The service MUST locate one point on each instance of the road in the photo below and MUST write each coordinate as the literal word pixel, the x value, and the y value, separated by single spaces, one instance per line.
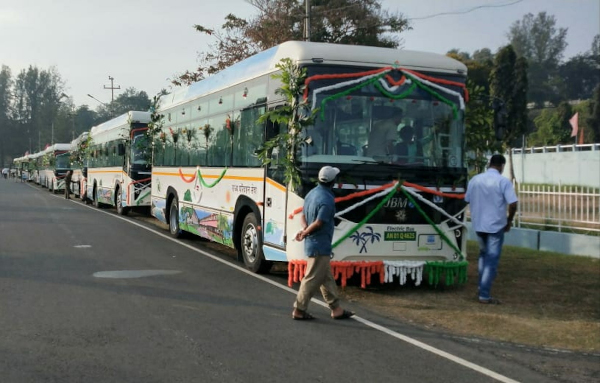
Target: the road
pixel 88 296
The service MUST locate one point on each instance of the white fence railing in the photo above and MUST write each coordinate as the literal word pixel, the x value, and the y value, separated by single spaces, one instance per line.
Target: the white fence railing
pixel 558 148
pixel 560 207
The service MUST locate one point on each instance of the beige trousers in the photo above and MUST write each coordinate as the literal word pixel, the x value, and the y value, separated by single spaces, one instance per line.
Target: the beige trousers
pixel 318 276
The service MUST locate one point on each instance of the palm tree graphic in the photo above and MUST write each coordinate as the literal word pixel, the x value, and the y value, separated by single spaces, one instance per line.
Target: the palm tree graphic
pixel 361 239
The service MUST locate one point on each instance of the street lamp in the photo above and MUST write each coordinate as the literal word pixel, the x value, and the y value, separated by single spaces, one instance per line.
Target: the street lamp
pixel 103 103
pixel 108 106
pixel 62 95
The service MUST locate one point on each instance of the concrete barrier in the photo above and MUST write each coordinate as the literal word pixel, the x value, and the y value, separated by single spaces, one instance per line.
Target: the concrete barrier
pixel 567 243
pixel 564 243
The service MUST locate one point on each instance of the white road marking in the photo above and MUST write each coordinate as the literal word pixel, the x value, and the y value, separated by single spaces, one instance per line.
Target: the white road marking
pixel 366 322
pixel 82 246
pixel 125 274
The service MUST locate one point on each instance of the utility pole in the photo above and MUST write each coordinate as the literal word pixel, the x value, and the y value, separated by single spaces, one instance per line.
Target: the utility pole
pixel 307 21
pixel 112 88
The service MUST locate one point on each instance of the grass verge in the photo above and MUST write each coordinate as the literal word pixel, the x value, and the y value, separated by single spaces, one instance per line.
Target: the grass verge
pixel 548 300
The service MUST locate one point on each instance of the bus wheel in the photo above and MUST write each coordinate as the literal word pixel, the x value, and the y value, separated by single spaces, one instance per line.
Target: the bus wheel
pixel 121 210
pixel 174 229
pixel 251 246
pixel 95 201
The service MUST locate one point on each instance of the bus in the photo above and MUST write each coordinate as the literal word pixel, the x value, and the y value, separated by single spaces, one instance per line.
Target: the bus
pixel 53 164
pixel 118 163
pixel 21 165
pixel 35 164
pixel 77 158
pixel 399 210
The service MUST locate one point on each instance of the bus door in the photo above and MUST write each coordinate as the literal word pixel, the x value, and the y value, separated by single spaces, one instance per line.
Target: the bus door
pixel 274 219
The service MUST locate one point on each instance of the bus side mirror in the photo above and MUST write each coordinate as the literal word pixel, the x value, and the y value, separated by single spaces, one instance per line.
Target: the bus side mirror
pixel 121 150
pixel 84 171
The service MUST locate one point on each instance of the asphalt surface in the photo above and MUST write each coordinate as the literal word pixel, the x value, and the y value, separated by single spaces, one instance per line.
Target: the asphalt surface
pixel 88 296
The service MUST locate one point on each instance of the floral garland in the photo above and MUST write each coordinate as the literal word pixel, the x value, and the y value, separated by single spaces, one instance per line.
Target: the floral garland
pixel 376 77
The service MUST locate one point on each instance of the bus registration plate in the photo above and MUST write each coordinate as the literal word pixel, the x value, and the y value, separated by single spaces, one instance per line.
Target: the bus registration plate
pixel 400 236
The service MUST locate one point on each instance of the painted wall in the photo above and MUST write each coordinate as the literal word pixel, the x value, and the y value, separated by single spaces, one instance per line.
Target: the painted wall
pixel 580 168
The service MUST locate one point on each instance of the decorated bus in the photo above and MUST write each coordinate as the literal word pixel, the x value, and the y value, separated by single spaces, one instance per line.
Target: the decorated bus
pixel 53 164
pixel 118 162
pixel 77 157
pixel 21 165
pixel 391 120
pixel 35 165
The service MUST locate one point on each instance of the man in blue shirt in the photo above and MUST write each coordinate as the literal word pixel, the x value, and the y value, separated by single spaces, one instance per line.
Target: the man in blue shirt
pixel 318 223
pixel 490 194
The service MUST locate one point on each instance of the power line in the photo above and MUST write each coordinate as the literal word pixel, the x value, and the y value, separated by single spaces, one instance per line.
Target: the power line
pixel 466 11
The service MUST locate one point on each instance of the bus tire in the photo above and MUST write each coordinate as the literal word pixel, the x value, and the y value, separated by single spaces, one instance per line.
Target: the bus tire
pixel 251 246
pixel 121 210
pixel 174 228
pixel 95 201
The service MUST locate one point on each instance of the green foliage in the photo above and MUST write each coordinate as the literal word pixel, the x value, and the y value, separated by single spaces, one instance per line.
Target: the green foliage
pixel 579 76
pixel 295 115
pixel 594 112
pixel 552 127
pixel 508 82
pixel 131 99
pixel 478 127
pixel 479 66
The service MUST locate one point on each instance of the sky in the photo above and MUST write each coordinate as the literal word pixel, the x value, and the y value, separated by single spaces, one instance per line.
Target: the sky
pixel 144 43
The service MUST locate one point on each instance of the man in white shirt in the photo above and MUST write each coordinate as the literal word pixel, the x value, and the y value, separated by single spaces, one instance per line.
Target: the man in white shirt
pixel 490 194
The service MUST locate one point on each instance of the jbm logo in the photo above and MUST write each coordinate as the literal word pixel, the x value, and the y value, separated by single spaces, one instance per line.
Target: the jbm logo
pixel 397 202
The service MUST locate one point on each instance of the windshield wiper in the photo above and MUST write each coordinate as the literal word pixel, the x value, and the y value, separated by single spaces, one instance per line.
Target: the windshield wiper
pixel 374 162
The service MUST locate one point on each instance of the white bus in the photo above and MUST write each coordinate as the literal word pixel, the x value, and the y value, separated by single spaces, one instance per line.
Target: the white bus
pixel 21 165
pixel 77 159
pixel 35 165
pixel 207 179
pixel 118 163
pixel 53 166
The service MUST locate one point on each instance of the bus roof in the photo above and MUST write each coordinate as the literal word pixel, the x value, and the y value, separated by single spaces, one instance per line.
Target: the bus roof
pixel 82 137
pixel 119 122
pixel 319 53
pixel 56 147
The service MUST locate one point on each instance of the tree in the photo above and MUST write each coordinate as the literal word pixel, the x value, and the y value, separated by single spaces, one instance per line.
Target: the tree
pixel 483 56
pixel 508 82
pixel 478 126
pixel 580 76
pixel 538 40
pixel 37 98
pixel 458 55
pixel 6 136
pixel 479 116
pixel 131 99
pixel 360 22
pixel 478 69
pixel 595 50
pixel 594 119
pixel 553 126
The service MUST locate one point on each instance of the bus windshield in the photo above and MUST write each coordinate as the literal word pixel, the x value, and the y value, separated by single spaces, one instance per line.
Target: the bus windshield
pixel 63 161
pixel 370 127
pixel 140 150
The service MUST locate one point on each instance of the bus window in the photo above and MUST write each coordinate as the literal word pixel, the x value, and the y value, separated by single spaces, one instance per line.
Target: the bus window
pixel 248 137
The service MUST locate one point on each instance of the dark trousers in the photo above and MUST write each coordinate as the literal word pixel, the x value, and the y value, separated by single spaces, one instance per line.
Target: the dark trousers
pixel 68 189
